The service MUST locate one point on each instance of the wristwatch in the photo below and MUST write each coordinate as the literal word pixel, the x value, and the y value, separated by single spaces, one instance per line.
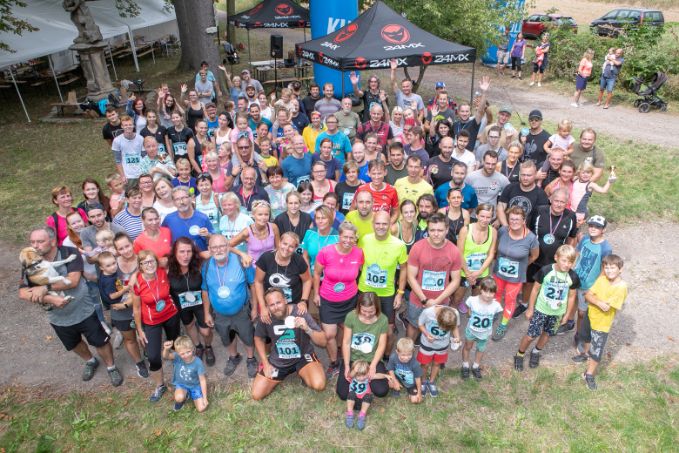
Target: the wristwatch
pixel 306 301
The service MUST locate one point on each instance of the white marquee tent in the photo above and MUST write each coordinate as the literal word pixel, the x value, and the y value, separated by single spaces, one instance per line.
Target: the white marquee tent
pixel 56 31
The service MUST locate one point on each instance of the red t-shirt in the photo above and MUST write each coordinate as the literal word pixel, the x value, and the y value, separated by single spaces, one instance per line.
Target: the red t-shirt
pixel 162 246
pixel 384 199
pixel 150 292
pixel 434 267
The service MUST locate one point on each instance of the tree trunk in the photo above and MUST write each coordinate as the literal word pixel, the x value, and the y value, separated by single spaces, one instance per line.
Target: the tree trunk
pixel 420 76
pixel 193 17
pixel 230 29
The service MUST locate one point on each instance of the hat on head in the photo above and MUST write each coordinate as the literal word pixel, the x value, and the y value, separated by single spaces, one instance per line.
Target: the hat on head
pixel 597 221
pixel 440 85
pixel 505 109
pixel 535 114
pixel 245 71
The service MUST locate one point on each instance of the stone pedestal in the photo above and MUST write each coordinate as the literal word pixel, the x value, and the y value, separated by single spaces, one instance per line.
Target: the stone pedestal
pixel 93 63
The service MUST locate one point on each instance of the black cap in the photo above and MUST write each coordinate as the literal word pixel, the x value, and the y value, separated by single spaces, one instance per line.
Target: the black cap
pixel 535 114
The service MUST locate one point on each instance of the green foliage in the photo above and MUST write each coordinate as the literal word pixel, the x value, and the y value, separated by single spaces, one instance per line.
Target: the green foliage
pixel 10 23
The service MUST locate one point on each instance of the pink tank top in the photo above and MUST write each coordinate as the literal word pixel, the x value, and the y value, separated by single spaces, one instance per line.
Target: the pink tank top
pixel 257 247
pixel 577 193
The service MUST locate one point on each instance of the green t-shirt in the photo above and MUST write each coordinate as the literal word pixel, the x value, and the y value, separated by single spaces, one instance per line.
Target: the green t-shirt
pixel 364 226
pixel 381 260
pixel 553 296
pixel 365 337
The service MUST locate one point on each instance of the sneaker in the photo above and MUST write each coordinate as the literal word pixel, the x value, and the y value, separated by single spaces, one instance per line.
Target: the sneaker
pixel 539 84
pixel 158 393
pixel 251 365
pixel 462 308
pixel 518 363
pixel 115 376
pixel 476 372
pixel 332 371
pixel 117 341
pixel 349 420
pixel 90 369
pixel 178 405
pixel 573 104
pixel 433 390
pixel 395 394
pixel 360 422
pixel 580 358
pixel 531 84
pixel 209 356
pixel 563 328
pixel 500 332
pixel 231 364
pixel 465 372
pixel 520 309
pixel 534 360
pixel 455 345
pixel 589 380
pixel 142 371
pixel 200 351
pixel 425 388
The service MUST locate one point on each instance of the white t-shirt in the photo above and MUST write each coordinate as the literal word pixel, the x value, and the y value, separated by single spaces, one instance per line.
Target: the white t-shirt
pixel 481 316
pixel 128 153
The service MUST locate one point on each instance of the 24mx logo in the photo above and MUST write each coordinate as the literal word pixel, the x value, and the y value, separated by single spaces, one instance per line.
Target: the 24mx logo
pixel 451 58
pixel 284 9
pixel 385 63
pixel 395 34
pixel 346 33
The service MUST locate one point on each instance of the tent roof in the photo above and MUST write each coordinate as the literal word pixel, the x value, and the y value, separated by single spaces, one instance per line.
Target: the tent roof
pixel 378 35
pixel 57 32
pixel 273 14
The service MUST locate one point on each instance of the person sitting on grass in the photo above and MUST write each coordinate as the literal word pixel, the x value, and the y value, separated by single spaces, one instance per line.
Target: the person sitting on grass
pixel 605 298
pixel 482 310
pixel 359 390
pixel 436 324
pixel 189 373
pixel 405 371
pixel 552 297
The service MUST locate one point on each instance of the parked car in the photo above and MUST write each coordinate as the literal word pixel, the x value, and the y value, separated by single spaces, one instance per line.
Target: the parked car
pixel 613 22
pixel 536 24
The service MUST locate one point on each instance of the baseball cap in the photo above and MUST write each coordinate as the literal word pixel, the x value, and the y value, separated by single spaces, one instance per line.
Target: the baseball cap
pixel 440 85
pixel 505 109
pixel 597 221
pixel 535 114
pixel 245 71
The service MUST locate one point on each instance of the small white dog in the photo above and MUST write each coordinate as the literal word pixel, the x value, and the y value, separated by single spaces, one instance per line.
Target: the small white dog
pixel 41 272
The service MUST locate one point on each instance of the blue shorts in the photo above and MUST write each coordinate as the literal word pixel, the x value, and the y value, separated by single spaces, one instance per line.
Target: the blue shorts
pixel 481 343
pixel 193 391
pixel 607 83
pixel 580 82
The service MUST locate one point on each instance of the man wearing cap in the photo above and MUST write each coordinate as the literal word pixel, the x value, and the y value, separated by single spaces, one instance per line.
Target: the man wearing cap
pixel 328 105
pixel 534 142
pixel 247 80
pixel 586 151
pixel 466 121
pixel 405 98
pixel 507 131
pixel 439 87
pixel 440 111
pixel 96 214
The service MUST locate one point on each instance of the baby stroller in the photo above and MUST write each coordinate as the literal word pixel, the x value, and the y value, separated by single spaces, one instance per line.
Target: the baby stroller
pixel 649 92
pixel 231 54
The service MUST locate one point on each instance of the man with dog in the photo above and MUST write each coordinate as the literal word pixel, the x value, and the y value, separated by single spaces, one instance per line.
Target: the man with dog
pixel 71 317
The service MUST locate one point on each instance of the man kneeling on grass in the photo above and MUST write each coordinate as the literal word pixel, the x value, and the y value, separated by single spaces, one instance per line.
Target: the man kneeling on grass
pixel 291 335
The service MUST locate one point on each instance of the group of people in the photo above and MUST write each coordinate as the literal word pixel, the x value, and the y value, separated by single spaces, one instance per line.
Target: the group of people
pixel 291 225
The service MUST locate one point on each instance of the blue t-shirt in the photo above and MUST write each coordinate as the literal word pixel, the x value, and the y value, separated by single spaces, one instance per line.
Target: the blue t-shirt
pixel 406 372
pixel 469 200
pixel 313 243
pixel 331 166
pixel 180 227
pixel 233 278
pixel 186 374
pixel 588 265
pixel 340 145
pixel 297 170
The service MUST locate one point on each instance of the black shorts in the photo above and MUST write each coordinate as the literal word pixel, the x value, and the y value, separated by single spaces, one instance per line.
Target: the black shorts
pixel 90 327
pixel 367 398
pixel 531 271
pixel 336 312
pixel 123 325
pixel 196 312
pixel 287 371
pixel 540 69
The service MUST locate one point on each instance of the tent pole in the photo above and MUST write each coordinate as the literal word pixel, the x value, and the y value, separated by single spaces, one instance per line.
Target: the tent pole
pixel 304 30
pixel 471 93
pixel 110 53
pixel 54 74
pixel 134 49
pixel 19 93
pixel 249 54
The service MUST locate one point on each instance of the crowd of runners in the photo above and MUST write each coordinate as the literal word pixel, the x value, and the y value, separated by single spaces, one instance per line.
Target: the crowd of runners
pixel 398 235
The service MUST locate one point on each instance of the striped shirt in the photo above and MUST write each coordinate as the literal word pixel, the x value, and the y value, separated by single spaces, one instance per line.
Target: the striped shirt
pixel 131 223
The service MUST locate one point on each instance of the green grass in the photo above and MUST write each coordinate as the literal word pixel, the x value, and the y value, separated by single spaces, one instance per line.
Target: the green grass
pixel 635 408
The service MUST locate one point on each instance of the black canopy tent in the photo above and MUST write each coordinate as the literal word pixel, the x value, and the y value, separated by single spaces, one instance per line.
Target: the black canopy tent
pixel 377 36
pixel 272 14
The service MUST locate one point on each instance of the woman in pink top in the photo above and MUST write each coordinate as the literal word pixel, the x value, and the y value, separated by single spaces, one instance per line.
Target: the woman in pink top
pixel 62 198
pixel 339 265
pixel 260 237
pixel 584 71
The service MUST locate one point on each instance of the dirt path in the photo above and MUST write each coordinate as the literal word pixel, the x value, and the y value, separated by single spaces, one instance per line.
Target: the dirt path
pixel 31 354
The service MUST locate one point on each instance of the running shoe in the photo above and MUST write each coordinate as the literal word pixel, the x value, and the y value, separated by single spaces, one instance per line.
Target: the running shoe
pixel 534 360
pixel 518 362
pixel 573 104
pixel 90 369
pixel 539 84
pixel 360 422
pixel 425 388
pixel 158 393
pixel 251 365
pixel 580 358
pixel 590 381
pixel 395 394
pixel 531 84
pixel 332 371
pixel 115 376
pixel 349 420
pixel 142 371
pixel 563 328
pixel 465 372
pixel 476 372
pixel 433 390
pixel 500 332
pixel 232 363
pixel 209 356
pixel 462 308
pixel 519 310
pixel 178 405
pixel 200 350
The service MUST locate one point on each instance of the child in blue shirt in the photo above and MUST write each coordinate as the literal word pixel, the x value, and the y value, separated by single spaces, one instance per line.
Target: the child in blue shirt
pixel 189 373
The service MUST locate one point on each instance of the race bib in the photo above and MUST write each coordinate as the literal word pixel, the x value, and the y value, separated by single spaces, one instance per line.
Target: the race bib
pixel 132 160
pixel 347 131
pixel 190 299
pixel 433 281
pixel 555 294
pixel 161 149
pixel 475 261
pixel 507 268
pixel 179 148
pixel 480 323
pixel 376 277
pixel 347 198
pixel 287 350
pixel 405 376
pixel 302 179
pixel 435 330
pixel 360 388
pixel 363 342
